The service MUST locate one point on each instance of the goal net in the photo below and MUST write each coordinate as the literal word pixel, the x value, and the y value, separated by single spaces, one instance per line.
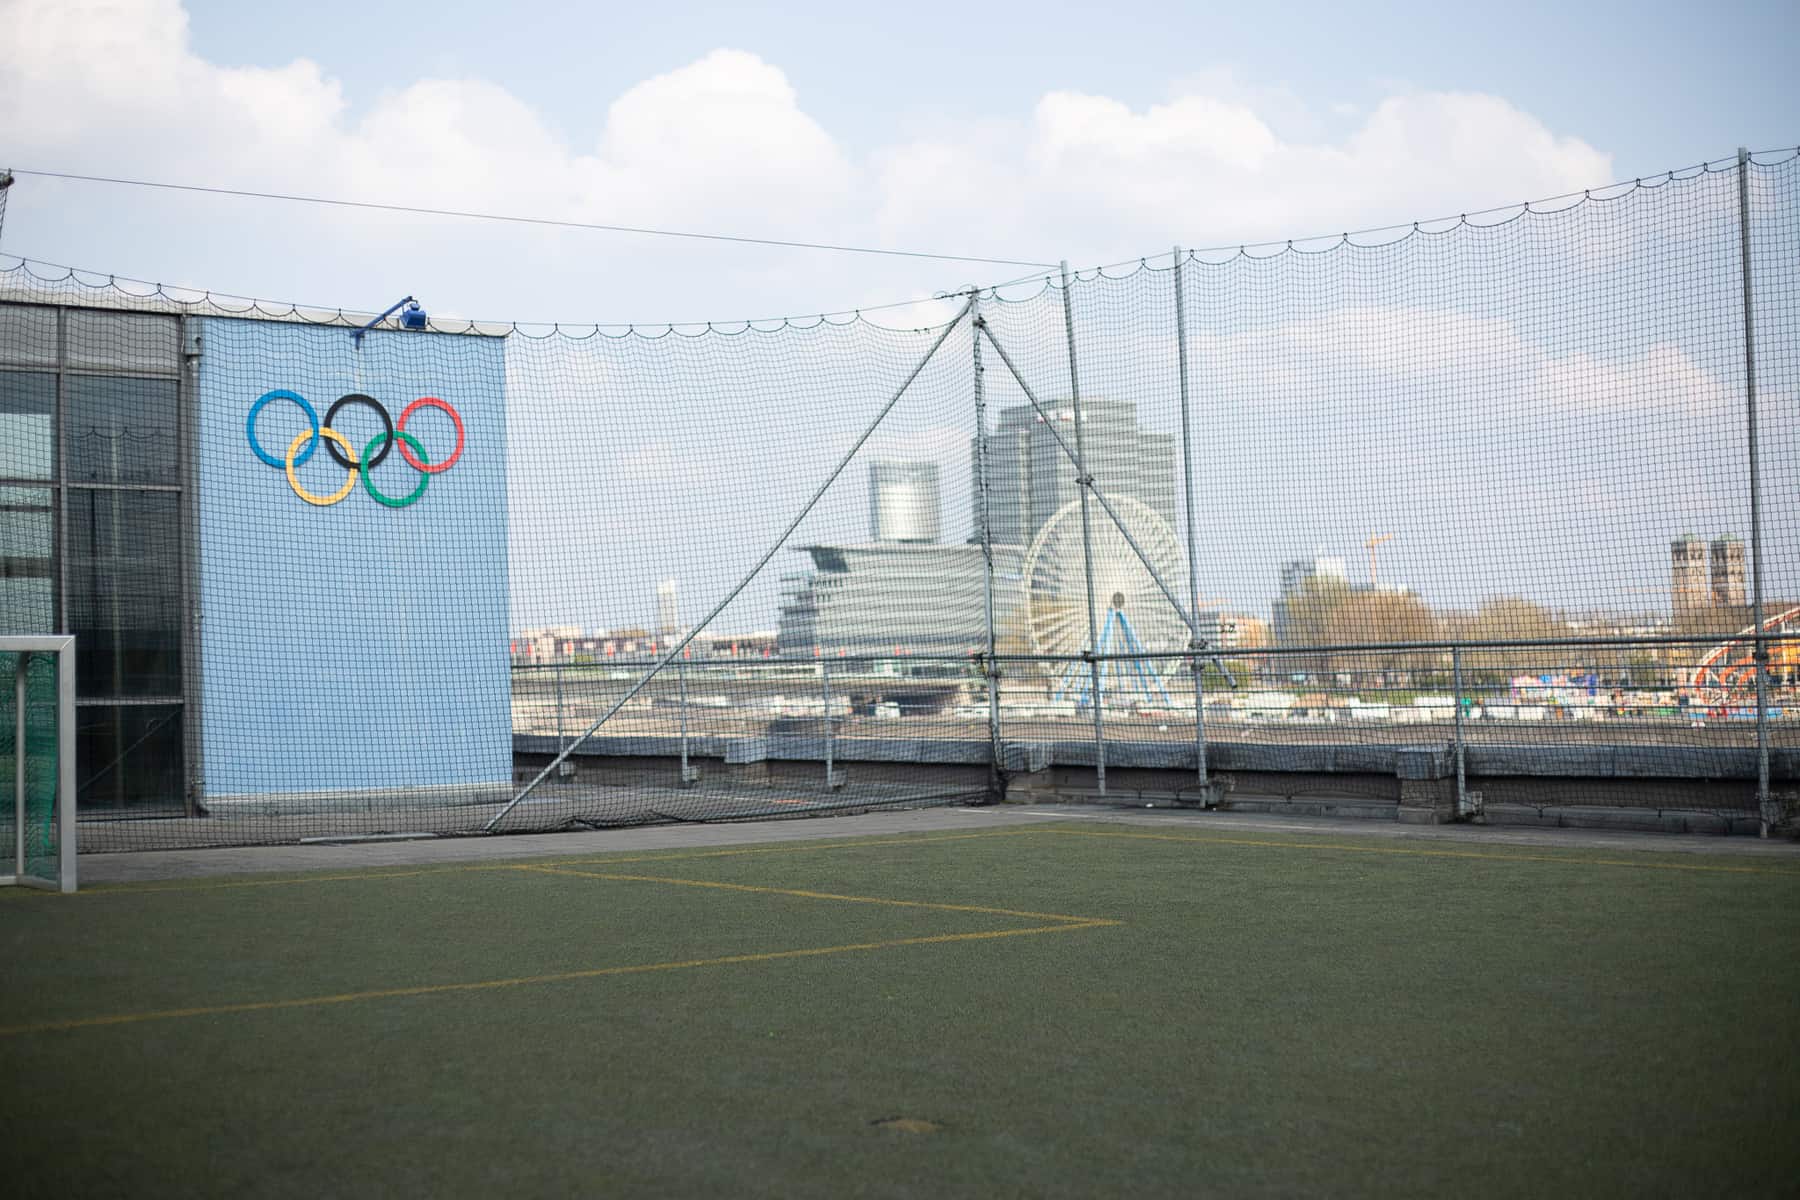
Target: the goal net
pixel 37 753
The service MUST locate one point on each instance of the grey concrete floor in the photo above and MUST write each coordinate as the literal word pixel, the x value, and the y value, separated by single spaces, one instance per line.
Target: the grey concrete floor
pixel 189 864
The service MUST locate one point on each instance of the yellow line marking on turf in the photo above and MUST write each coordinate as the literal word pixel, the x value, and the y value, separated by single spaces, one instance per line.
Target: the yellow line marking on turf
pixel 1413 851
pixel 439 989
pixel 106 889
pixel 806 895
pixel 793 848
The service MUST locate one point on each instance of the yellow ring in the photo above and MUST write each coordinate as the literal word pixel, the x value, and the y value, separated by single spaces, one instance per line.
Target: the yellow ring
pixel 300 440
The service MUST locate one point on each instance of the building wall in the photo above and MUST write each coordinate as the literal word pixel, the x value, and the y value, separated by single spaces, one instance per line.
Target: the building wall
pixel 353 647
pixel 1689 587
pixel 1728 572
pixel 891 598
pixel 903 502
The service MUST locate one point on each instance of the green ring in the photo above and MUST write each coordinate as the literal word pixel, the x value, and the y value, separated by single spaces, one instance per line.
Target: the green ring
pixel 369 476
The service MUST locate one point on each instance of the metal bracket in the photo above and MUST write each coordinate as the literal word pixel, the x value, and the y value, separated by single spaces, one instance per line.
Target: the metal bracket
pixel 358 335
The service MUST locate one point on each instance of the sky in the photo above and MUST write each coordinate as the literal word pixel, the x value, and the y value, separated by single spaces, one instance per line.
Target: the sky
pixel 1036 132
pixel 1024 132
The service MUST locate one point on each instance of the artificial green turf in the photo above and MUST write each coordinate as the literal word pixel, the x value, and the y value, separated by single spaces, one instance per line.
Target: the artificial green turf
pixel 1300 1017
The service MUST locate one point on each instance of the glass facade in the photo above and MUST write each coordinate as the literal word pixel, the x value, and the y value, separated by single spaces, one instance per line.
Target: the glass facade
pixel 93 536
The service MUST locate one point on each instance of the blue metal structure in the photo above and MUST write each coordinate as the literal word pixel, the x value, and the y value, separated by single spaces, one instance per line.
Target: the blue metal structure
pixel 1135 673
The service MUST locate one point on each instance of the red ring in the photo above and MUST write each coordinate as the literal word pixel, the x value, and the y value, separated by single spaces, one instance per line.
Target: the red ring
pixel 411 459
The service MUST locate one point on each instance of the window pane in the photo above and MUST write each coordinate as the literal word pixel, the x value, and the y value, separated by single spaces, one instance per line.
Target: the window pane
pixel 123 341
pixel 27 595
pixel 122 430
pixel 128 756
pixel 27 425
pixel 27 335
pixel 124 573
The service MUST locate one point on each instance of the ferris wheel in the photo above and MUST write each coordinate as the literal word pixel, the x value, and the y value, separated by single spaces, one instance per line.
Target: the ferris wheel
pixel 1133 615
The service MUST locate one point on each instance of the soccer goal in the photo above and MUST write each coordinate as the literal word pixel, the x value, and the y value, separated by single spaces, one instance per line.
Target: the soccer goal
pixel 37 755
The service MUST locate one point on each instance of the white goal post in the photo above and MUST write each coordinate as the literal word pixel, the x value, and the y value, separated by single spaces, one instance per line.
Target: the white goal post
pixel 41 774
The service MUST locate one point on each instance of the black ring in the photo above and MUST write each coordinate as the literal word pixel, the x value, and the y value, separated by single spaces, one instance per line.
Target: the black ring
pixel 387 422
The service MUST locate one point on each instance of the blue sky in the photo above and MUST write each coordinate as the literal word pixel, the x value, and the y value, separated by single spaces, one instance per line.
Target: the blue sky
pixel 1656 84
pixel 932 126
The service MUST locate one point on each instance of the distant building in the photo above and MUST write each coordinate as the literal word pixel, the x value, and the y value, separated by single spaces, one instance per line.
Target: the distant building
pixel 1728 571
pixel 668 609
pixel 1294 577
pixel 903 502
pixel 551 644
pixel 894 598
pixel 1689 587
pixel 1230 630
pixel 1245 632
pixel 1030 476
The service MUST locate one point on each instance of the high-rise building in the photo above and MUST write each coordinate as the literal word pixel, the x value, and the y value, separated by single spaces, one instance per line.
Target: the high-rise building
pixel 1030 476
pixel 668 610
pixel 1295 576
pixel 903 501
pixel 1689 588
pixel 1728 571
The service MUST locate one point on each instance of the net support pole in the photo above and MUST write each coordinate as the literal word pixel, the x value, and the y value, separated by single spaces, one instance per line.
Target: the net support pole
pixel 1456 686
pixel 990 667
pixel 559 709
pixel 19 814
pixel 1760 652
pixel 674 651
pixel 1208 792
pixel 1084 482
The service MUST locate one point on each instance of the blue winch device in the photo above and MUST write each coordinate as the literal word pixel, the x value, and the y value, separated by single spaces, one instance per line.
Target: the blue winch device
pixel 411 317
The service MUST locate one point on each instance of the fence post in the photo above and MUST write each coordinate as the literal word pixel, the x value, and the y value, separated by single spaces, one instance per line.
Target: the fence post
pixel 1760 652
pixel 1209 793
pixel 831 776
pixel 688 775
pixel 559 710
pixel 996 752
pixel 1084 481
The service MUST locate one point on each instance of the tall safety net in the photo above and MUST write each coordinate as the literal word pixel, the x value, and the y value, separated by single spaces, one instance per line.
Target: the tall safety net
pixel 1463 518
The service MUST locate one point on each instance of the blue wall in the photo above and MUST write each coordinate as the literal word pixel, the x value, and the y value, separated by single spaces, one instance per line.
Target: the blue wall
pixel 353 646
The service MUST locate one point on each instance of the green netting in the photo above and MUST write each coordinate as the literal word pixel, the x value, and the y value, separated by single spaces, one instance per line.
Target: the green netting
pixel 40 760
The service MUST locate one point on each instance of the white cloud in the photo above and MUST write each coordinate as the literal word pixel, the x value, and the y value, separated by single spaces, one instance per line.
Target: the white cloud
pixel 726 143
pixel 667 142
pixel 1097 179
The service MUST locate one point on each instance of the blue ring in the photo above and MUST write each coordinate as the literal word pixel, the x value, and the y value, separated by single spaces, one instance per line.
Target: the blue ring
pixel 250 427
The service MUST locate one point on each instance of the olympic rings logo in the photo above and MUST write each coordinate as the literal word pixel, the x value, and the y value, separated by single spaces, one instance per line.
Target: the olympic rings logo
pixel 393 433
